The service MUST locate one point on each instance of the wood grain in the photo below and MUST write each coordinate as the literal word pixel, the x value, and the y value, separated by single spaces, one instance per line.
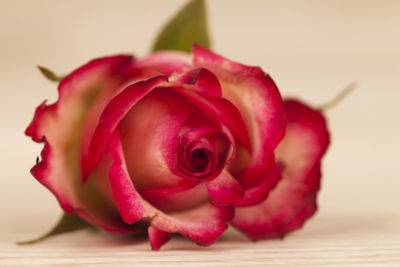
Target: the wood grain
pixel 357 240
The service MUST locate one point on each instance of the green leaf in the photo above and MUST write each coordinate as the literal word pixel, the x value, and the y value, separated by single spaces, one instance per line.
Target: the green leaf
pixel 188 26
pixel 50 75
pixel 67 223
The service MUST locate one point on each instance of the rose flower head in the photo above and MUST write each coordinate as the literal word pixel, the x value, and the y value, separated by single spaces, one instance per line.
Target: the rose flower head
pixel 180 143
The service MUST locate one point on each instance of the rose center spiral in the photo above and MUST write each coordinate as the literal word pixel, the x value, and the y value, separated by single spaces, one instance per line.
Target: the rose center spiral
pixel 199 159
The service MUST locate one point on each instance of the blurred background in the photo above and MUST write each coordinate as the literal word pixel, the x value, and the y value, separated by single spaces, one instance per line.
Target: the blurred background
pixel 312 49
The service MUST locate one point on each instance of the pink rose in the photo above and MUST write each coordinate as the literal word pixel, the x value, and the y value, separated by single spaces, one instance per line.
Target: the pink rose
pixel 178 143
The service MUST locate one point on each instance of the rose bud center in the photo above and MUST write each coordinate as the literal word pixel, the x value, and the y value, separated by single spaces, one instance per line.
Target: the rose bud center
pixel 168 142
pixel 199 159
pixel 202 150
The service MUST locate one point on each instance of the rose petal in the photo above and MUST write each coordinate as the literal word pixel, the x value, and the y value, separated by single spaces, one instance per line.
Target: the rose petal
pixel 102 99
pixel 167 62
pixel 159 133
pixel 220 111
pixel 74 91
pixel 115 226
pixel 41 113
pixel 150 137
pixel 198 125
pixel 59 125
pixel 157 238
pixel 258 99
pixel 42 170
pixel 73 197
pixel 114 112
pixel 125 195
pixel 293 201
pixel 205 82
pixel 203 224
pixel 195 126
pixel 224 190
pixel 260 192
pixel 174 199
pixel 204 158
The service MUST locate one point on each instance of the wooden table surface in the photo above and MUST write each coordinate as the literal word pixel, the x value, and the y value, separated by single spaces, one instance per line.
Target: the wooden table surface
pixel 311 48
pixel 330 239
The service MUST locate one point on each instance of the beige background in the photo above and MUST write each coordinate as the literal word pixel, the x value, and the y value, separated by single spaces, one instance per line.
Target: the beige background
pixel 311 48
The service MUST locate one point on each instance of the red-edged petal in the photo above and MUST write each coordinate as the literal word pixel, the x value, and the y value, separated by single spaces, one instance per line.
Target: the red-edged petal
pixel 125 195
pixel 221 111
pixel 224 190
pixel 150 136
pixel 60 126
pixel 203 159
pixel 198 125
pixel 293 201
pixel 195 126
pixel 33 130
pixel 77 92
pixel 259 193
pixel 167 62
pixel 113 113
pixel 203 224
pixel 73 197
pixel 42 172
pixel 103 97
pixel 95 73
pixel 256 96
pixel 205 82
pixel 157 238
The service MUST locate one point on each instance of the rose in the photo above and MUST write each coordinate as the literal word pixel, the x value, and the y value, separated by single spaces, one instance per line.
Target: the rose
pixel 170 144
